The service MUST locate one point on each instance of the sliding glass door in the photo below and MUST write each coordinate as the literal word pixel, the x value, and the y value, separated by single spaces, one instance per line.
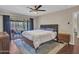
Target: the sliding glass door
pixel 18 26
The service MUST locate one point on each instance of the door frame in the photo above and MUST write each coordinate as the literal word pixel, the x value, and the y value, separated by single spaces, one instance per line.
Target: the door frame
pixel 75 27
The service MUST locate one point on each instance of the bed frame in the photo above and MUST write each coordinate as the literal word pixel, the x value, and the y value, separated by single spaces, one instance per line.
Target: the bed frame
pixel 51 26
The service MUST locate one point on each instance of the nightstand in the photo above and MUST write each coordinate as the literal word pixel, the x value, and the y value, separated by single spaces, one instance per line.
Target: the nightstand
pixel 63 37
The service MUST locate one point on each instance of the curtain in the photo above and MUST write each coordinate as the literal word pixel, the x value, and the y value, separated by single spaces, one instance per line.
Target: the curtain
pixel 6 24
pixel 30 24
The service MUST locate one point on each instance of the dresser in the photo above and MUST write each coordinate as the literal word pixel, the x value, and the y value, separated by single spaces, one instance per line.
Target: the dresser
pixel 4 42
pixel 63 37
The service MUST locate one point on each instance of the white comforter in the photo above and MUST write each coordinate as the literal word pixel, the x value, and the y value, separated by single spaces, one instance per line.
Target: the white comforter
pixel 39 36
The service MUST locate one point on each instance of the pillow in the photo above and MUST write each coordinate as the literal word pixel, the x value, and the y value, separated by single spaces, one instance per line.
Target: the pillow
pixel 49 29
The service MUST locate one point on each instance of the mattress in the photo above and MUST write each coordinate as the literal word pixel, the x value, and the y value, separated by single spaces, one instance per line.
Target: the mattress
pixel 39 36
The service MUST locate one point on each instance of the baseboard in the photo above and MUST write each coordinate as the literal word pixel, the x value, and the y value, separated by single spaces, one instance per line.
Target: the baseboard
pixel 71 43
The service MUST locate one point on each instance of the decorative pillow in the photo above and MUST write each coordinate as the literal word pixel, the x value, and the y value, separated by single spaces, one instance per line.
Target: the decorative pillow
pixel 49 29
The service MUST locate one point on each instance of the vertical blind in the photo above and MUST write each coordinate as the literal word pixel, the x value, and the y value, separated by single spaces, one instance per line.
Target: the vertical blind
pixel 6 23
pixel 22 25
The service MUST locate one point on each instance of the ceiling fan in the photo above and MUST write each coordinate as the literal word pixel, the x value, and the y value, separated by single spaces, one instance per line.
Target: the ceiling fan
pixel 36 8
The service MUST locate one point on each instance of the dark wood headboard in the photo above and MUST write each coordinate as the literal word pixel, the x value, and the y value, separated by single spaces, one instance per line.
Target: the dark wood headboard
pixel 52 26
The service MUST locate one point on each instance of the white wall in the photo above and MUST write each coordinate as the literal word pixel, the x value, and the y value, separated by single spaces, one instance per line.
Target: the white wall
pixel 1 24
pixel 35 22
pixel 62 21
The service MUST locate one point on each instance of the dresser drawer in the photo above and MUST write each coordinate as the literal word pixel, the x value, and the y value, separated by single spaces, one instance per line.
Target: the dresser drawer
pixel 4 43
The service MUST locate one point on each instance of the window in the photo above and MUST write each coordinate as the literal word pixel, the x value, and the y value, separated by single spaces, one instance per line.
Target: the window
pixel 22 25
pixel 18 25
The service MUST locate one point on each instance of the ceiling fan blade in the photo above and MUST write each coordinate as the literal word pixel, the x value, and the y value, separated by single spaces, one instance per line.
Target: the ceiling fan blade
pixel 30 11
pixel 29 7
pixel 38 7
pixel 41 10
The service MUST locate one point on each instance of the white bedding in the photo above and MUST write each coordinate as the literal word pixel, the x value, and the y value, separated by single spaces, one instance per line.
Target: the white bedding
pixel 39 36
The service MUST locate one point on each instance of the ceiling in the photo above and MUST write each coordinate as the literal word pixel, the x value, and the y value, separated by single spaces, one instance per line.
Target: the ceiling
pixel 22 9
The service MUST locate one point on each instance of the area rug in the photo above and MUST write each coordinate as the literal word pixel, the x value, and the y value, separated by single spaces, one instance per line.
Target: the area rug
pixel 50 47
pixel 57 48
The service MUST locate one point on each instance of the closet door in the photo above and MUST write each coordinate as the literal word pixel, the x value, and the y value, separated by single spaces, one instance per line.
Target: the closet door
pixel 6 24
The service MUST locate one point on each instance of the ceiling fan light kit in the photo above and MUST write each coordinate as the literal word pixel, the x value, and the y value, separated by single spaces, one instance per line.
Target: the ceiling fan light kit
pixel 35 12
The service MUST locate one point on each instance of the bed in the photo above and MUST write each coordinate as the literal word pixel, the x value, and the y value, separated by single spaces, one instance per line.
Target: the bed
pixel 35 38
